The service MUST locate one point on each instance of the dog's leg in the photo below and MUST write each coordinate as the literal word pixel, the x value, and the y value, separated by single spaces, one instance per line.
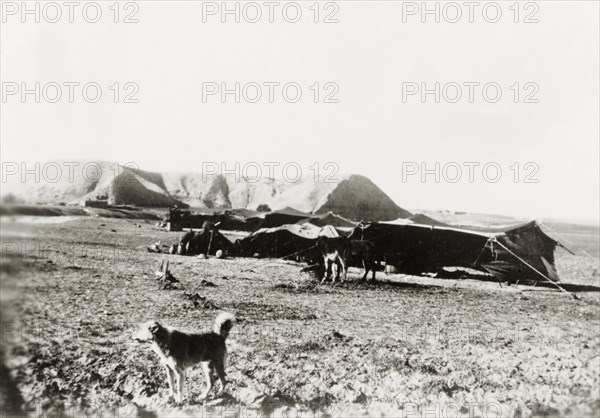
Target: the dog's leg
pixel 208 377
pixel 220 367
pixel 180 376
pixel 171 380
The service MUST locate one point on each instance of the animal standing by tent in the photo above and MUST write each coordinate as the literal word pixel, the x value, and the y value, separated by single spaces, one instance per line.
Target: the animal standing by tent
pixel 334 250
pixel 365 252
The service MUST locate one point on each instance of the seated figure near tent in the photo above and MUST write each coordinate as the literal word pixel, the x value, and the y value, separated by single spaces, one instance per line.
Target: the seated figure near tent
pixel 209 226
pixel 334 250
pixel 184 242
pixel 206 241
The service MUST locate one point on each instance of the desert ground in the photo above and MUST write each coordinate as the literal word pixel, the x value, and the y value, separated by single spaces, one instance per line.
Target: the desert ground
pixel 75 288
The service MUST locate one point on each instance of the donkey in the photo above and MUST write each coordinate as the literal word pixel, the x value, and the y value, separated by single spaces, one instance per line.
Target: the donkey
pixel 334 250
pixel 364 251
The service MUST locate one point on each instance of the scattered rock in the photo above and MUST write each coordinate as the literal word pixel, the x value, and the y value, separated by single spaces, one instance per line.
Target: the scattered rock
pixel 153 249
pixel 73 268
pixel 337 336
pixel 168 286
pixel 199 302
pixel 249 396
pixel 206 283
pixel 361 398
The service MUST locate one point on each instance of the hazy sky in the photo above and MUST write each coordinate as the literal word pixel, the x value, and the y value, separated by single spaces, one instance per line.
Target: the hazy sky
pixel 371 56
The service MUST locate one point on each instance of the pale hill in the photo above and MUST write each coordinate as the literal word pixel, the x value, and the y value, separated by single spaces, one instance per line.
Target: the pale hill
pixel 92 180
pixel 358 198
pixel 353 196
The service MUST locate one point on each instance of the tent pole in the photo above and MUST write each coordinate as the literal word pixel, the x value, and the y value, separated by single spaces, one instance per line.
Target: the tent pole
pixel 481 253
pixel 209 243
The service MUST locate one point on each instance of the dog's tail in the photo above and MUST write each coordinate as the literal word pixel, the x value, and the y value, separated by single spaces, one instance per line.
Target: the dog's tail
pixel 223 324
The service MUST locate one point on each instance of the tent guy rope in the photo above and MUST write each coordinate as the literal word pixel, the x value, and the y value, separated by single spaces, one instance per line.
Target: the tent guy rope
pixel 277 259
pixel 493 239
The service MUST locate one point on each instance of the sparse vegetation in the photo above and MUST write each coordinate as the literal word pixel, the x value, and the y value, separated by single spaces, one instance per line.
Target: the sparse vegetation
pixel 346 349
pixel 9 199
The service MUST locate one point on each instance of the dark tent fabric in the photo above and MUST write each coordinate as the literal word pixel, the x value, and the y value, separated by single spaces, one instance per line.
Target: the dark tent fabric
pixel 230 222
pixel 416 249
pixel 292 211
pixel 237 219
pixel 283 241
pixel 329 218
pixel 510 255
pixel 275 219
pixel 243 212
pixel 200 241
pixel 529 243
pixel 227 220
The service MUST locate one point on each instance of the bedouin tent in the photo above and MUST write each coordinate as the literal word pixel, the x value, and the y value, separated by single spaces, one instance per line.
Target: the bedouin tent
pixel 249 220
pixel 331 219
pixel 276 218
pixel 204 242
pixel 422 219
pixel 284 241
pixel 225 219
pixel 523 252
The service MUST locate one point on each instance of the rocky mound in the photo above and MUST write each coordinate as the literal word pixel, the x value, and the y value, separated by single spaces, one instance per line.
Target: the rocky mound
pixel 353 196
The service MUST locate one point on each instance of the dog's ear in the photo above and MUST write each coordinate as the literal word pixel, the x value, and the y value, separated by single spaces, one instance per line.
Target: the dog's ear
pixel 154 327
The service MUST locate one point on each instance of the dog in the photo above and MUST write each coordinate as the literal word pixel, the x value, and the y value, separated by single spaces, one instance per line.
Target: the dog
pixel 179 350
pixel 334 250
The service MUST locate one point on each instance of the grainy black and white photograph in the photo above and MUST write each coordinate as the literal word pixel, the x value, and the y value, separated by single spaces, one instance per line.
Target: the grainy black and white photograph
pixel 307 209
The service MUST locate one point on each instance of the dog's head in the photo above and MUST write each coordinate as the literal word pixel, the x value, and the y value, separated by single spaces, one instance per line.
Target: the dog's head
pixel 146 331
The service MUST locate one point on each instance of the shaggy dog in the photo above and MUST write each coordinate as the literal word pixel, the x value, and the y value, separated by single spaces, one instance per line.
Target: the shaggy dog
pixel 178 350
